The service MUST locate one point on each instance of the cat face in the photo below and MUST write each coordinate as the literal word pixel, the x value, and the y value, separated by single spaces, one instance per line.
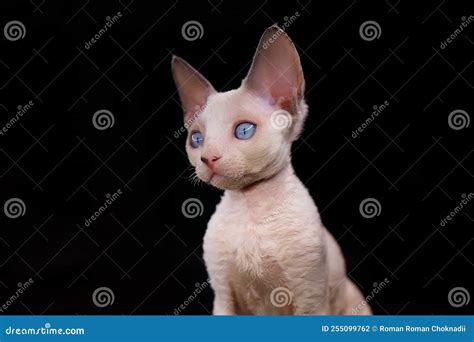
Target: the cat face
pixel 239 137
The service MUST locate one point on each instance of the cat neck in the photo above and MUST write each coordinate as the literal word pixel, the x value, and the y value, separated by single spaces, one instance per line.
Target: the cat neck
pixel 268 193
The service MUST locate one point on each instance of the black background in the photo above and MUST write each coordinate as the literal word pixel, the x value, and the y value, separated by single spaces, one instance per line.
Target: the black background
pixel 143 248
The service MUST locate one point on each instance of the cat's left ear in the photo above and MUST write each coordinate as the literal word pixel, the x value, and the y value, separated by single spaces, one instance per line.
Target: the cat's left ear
pixel 276 73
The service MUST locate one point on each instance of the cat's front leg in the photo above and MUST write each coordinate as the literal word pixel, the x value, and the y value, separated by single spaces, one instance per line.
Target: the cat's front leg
pixel 315 304
pixel 311 298
pixel 311 291
pixel 223 304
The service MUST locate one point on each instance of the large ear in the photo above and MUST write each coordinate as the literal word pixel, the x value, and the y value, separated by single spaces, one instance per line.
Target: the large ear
pixel 276 71
pixel 193 88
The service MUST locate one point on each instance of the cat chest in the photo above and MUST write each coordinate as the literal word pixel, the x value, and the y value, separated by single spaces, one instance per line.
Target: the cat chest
pixel 254 255
pixel 250 251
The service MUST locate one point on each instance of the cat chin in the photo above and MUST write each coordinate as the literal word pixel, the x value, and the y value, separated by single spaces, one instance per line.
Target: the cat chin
pixel 224 183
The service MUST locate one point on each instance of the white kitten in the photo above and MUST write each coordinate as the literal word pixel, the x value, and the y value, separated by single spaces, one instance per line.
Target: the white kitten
pixel 265 247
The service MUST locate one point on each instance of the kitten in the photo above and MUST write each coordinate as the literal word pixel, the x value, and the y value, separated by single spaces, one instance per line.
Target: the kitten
pixel 265 247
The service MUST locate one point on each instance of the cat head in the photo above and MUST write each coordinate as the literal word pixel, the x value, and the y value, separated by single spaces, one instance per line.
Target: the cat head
pixel 241 136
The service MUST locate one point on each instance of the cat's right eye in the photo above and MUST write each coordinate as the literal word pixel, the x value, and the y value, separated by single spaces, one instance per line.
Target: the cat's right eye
pixel 196 139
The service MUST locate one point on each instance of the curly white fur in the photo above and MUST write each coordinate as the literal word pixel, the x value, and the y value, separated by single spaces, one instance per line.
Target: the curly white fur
pixel 265 248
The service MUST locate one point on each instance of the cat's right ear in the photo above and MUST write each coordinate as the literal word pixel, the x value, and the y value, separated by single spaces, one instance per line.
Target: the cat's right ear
pixel 193 88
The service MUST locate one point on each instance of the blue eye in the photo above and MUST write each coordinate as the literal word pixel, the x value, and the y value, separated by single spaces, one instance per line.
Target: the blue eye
pixel 196 139
pixel 245 130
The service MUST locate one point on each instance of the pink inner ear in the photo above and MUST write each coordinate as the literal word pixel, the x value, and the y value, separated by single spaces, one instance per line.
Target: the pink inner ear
pixel 276 70
pixel 281 87
pixel 193 88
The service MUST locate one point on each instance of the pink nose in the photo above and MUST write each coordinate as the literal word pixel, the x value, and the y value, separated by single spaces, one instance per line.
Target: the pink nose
pixel 210 160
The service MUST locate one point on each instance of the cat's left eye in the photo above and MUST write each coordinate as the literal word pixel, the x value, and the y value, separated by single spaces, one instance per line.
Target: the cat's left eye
pixel 245 130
